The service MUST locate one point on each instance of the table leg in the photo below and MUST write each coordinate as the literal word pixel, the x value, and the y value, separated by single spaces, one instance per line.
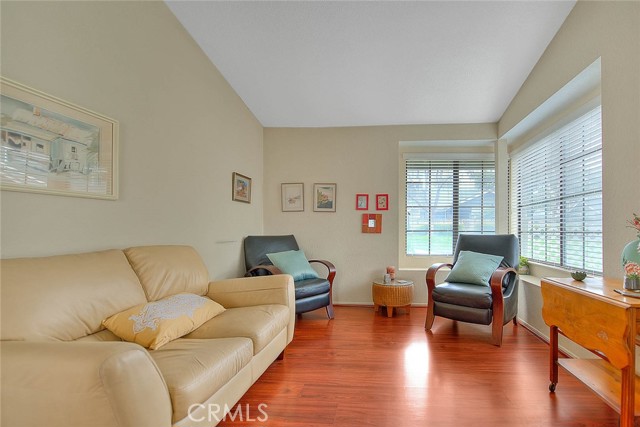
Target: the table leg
pixel 628 378
pixel 553 358
pixel 389 311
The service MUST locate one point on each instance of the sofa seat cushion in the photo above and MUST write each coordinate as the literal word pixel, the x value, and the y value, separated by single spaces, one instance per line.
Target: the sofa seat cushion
pixel 311 287
pixel 195 369
pixel 260 323
pixel 464 294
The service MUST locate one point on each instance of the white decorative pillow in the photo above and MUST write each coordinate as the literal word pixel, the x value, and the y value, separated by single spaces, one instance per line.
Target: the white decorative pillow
pixel 154 324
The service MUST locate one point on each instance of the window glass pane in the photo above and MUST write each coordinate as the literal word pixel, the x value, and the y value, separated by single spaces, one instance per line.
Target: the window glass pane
pixel 417 219
pixel 489 220
pixel 417 243
pixel 441 243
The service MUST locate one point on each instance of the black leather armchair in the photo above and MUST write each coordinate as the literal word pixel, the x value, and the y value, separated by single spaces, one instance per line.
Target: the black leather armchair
pixel 495 305
pixel 310 294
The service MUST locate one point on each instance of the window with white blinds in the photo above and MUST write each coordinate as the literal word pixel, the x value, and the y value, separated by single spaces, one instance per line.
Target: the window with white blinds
pixel 556 196
pixel 445 198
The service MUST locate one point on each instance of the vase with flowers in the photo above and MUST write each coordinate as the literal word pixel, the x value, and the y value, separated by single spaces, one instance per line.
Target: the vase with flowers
pixel 631 258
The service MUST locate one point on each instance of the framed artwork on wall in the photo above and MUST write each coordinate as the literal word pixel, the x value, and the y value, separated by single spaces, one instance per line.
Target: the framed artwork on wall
pixel 362 202
pixel 292 197
pixel 372 223
pixel 382 202
pixel 324 197
pixel 241 188
pixel 51 146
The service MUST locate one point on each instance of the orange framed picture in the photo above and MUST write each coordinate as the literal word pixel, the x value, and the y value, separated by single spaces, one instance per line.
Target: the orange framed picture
pixel 372 223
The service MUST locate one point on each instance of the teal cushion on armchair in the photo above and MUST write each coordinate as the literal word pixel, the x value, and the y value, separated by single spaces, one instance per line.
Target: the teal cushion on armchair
pixel 294 263
pixel 474 268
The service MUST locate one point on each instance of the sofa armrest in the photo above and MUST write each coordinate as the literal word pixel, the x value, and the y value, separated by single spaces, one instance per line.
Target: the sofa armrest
pixel 259 290
pixel 62 384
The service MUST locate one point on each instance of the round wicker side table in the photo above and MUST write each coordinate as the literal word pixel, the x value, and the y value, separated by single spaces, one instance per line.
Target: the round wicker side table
pixel 398 293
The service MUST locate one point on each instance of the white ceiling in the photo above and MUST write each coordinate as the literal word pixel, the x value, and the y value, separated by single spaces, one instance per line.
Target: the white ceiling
pixel 356 63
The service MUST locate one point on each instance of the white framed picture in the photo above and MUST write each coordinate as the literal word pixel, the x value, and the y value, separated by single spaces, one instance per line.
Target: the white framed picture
pixel 292 194
pixel 48 145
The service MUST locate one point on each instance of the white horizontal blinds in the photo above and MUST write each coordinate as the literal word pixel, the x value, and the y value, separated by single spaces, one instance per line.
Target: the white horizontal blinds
pixel 556 196
pixel 445 198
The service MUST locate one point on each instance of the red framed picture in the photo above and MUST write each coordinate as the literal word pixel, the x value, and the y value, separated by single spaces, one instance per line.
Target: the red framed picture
pixel 382 202
pixel 362 202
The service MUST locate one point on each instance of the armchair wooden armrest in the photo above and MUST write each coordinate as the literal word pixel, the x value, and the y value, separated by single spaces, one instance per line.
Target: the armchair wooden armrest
pixel 431 274
pixel 271 269
pixel 330 276
pixel 330 267
pixel 498 302
pixel 431 284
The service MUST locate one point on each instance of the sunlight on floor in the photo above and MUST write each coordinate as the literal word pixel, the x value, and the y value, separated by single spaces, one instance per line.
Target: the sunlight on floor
pixel 416 364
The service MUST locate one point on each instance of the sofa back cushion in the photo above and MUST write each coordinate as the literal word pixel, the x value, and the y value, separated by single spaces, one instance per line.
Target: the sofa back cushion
pixel 65 297
pixel 168 270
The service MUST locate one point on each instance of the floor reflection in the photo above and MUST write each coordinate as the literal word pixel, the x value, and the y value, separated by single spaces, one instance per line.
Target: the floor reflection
pixel 416 364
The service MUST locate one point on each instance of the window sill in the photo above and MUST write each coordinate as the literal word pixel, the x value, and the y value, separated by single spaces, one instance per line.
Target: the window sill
pixel 531 280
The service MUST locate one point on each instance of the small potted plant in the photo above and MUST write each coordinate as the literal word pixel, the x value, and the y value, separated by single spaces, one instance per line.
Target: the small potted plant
pixel 523 267
pixel 632 276
pixel 579 275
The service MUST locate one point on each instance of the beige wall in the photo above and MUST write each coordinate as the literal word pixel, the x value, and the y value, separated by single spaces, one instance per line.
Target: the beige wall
pixel 365 160
pixel 610 30
pixel 183 131
pixel 358 160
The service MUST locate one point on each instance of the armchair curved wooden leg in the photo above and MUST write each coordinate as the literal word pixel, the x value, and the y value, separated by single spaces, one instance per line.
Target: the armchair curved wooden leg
pixel 330 311
pixel 497 333
pixel 430 317
pixel 497 324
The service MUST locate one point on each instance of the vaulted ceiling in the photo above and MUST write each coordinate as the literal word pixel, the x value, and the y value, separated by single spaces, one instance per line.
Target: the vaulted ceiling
pixel 356 63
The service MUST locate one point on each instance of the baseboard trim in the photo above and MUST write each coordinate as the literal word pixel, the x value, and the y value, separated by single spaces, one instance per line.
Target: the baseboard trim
pixel 542 337
pixel 368 304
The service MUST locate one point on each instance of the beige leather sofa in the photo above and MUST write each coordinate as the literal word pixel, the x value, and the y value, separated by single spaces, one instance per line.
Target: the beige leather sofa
pixel 60 367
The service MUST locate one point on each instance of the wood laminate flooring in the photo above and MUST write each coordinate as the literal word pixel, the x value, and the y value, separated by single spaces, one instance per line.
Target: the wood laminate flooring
pixel 364 369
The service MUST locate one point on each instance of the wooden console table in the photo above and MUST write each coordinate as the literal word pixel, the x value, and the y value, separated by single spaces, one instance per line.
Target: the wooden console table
pixel 593 315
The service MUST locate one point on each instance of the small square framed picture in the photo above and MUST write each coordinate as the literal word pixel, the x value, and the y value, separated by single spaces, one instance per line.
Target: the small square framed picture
pixel 382 202
pixel 292 197
pixel 324 197
pixel 362 202
pixel 241 188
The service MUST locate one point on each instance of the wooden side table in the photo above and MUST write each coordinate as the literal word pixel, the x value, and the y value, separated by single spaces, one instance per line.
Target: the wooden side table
pixel 398 293
pixel 592 314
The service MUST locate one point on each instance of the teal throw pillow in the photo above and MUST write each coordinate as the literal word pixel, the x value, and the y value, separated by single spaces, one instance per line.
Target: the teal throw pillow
pixel 293 263
pixel 474 268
